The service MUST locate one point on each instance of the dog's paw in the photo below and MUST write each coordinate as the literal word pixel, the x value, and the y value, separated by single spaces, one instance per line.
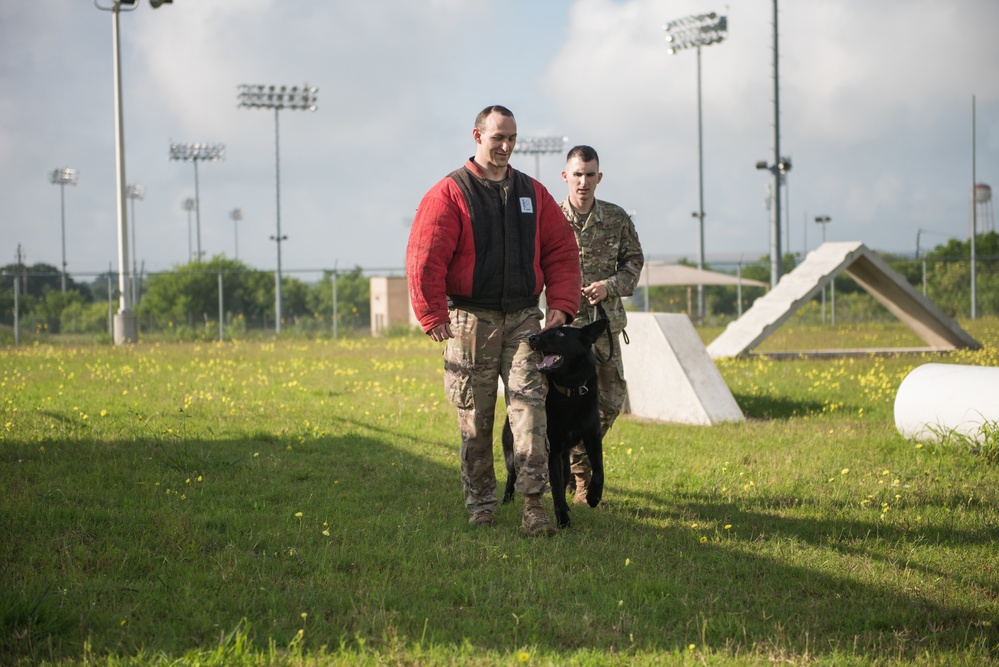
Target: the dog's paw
pixel 594 494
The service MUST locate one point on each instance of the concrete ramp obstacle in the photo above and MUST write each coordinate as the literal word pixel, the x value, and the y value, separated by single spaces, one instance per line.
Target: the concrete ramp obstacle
pixel 820 268
pixel 670 376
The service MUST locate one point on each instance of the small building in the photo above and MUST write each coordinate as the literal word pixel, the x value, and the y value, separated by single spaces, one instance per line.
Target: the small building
pixel 390 304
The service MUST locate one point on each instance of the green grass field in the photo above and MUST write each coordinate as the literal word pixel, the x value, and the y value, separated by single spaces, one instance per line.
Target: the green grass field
pixel 299 502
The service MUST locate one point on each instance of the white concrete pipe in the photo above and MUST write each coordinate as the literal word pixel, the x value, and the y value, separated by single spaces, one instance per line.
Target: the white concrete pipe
pixel 935 400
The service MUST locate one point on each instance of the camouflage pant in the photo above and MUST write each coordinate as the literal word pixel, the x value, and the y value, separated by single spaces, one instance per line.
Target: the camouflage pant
pixel 488 346
pixel 613 393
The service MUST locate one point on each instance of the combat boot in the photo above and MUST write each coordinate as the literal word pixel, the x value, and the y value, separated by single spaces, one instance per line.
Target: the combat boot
pixel 582 485
pixel 535 522
pixel 481 518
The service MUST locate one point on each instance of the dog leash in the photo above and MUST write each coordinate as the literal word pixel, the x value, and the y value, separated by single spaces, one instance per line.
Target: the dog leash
pixel 610 336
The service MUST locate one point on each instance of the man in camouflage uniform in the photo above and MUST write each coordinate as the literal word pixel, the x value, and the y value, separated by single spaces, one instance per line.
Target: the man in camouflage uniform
pixel 485 240
pixel 610 257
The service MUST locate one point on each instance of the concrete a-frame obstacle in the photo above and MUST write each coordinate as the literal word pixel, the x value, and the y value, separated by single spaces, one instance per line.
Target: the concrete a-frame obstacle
pixel 670 376
pixel 821 266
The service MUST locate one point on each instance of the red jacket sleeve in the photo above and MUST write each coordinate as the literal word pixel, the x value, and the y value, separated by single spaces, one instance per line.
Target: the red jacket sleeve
pixel 558 255
pixel 433 239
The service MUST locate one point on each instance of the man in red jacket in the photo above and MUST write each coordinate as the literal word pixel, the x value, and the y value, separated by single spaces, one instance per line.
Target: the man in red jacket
pixel 485 241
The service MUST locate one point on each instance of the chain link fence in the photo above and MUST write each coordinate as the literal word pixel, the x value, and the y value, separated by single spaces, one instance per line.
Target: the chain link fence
pixel 192 303
pixel 222 300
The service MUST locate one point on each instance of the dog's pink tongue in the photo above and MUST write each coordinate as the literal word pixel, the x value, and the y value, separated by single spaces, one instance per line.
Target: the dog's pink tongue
pixel 548 362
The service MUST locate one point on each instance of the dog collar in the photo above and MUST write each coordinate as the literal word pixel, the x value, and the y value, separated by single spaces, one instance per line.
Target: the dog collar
pixel 581 390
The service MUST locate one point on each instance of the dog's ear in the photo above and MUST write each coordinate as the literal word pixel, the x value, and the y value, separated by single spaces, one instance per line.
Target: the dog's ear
pixel 593 330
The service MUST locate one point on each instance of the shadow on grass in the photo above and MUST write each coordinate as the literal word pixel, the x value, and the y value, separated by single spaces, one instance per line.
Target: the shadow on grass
pixel 759 406
pixel 362 537
pixel 759 521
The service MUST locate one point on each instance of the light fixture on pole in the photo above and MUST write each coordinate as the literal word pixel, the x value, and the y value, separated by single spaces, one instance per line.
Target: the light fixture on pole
pixel 236 214
pixel 189 205
pixel 538 146
pixel 126 326
pixel 197 153
pixel 779 170
pixel 823 220
pixel 62 177
pixel 133 192
pixel 277 98
pixel 693 32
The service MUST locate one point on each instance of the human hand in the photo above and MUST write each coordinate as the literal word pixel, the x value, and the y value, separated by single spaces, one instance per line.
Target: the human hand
pixel 441 332
pixel 595 292
pixel 556 318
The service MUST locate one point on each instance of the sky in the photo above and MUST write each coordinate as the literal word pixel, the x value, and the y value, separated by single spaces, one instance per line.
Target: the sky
pixel 875 100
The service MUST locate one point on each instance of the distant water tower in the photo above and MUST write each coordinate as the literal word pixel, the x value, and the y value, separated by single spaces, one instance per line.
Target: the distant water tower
pixel 981 202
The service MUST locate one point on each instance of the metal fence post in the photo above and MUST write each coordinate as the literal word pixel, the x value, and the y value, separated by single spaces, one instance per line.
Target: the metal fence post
pixel 110 308
pixel 17 332
pixel 832 305
pixel 334 305
pixel 221 311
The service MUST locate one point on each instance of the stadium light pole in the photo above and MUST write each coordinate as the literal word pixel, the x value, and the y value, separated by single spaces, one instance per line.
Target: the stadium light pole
pixel 260 96
pixel 189 205
pixel 538 146
pixel 133 192
pixel 197 153
pixel 62 177
pixel 693 32
pixel 778 168
pixel 825 220
pixel 126 326
pixel 236 214
pixel 974 213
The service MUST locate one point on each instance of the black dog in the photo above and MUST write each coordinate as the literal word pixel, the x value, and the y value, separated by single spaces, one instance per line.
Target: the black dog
pixel 572 412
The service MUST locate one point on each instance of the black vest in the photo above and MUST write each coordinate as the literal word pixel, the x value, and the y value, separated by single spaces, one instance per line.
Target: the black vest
pixel 504 226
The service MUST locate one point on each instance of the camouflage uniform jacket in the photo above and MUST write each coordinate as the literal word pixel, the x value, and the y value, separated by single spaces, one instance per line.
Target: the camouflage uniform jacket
pixel 609 252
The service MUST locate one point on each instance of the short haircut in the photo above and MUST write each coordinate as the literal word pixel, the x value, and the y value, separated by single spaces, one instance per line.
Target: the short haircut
pixel 584 153
pixel 480 120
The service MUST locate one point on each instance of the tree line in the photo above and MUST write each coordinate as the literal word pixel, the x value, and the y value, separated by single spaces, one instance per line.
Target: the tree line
pixel 184 302
pixel 945 270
